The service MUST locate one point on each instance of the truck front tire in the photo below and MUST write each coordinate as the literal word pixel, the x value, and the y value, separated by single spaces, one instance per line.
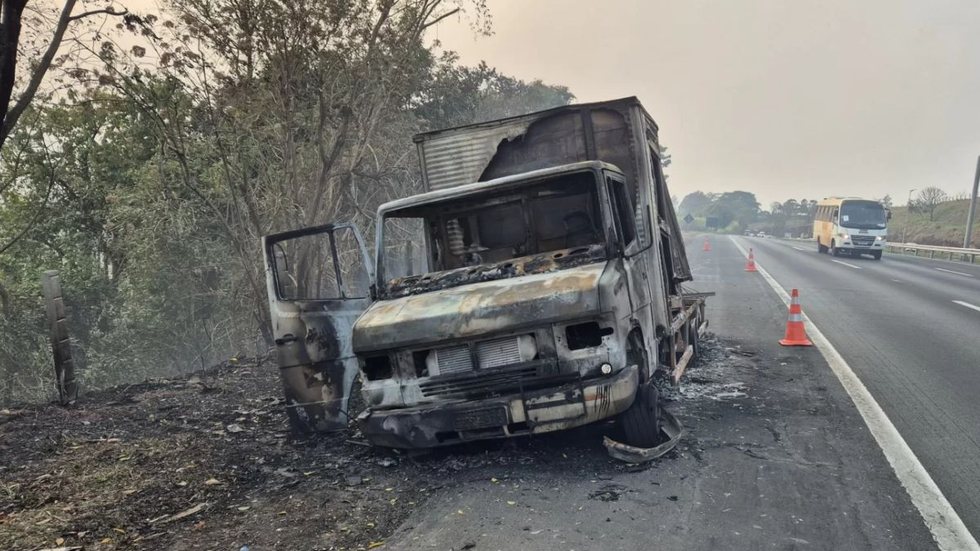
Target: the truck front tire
pixel 641 422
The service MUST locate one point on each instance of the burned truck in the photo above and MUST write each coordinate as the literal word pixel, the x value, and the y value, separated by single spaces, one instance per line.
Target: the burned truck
pixel 535 285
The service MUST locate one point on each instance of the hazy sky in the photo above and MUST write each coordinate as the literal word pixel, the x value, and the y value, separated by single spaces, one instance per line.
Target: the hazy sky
pixel 781 98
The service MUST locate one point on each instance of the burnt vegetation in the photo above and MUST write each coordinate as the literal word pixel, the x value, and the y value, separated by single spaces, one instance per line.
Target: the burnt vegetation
pixel 163 145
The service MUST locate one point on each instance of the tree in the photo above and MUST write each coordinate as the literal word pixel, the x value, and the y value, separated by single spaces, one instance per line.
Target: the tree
pixel 739 207
pixel 886 201
pixel 11 33
pixel 928 199
pixel 166 163
pixel 791 207
pixel 695 204
pixel 461 95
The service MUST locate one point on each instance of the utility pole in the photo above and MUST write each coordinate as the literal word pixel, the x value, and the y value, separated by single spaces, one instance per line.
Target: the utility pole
pixel 973 208
pixel 908 217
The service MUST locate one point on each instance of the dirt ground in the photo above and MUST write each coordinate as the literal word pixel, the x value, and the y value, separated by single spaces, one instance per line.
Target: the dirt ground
pixel 207 462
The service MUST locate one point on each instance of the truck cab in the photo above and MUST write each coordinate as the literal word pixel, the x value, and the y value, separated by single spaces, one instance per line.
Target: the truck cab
pixel 543 294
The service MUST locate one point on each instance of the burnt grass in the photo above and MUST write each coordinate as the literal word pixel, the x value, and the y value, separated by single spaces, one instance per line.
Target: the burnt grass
pixel 208 462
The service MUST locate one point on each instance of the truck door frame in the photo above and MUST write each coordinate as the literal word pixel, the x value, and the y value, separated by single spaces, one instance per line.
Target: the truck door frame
pixel 313 335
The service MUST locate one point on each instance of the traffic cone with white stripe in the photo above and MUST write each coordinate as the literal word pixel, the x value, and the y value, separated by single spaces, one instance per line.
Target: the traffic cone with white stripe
pixel 707 246
pixel 795 332
pixel 750 265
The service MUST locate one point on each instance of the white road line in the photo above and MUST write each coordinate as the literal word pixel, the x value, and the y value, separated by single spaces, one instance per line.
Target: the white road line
pixel 897 280
pixel 848 264
pixel 953 272
pixel 797 248
pixel 942 520
pixel 967 304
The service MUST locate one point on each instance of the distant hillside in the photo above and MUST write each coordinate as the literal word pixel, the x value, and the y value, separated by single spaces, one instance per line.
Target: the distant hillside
pixel 946 229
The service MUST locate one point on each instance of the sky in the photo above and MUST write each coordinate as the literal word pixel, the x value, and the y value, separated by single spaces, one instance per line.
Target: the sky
pixel 786 99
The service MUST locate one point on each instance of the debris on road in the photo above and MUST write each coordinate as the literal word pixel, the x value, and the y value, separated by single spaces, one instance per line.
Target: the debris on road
pixel 671 429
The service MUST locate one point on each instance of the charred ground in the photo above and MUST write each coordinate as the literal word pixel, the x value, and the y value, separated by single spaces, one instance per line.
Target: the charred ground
pixel 207 462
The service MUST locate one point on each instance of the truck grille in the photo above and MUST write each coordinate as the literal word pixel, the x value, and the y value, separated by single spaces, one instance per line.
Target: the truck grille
pixel 526 376
pixel 455 359
pixel 489 354
pixel 498 352
pixel 862 240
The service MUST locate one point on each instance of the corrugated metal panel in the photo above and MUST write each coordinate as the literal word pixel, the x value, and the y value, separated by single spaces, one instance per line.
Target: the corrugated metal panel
pixel 457 159
pixel 455 359
pixel 498 352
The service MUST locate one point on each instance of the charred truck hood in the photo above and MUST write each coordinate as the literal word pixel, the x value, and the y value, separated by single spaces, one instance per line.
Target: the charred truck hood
pixel 481 308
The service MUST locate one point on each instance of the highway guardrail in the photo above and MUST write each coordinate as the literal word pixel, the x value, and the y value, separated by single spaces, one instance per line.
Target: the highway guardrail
pixel 934 251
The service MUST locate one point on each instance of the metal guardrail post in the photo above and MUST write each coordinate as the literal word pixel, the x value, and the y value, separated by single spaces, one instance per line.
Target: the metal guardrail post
pixel 64 366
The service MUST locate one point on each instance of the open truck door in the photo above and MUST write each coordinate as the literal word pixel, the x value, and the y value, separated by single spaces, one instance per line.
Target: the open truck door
pixel 318 280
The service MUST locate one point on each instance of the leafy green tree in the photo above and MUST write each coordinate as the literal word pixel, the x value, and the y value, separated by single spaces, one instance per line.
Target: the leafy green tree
pixel 695 203
pixel 150 182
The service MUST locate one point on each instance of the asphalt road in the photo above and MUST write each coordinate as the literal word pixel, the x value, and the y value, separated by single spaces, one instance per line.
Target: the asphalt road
pixel 775 456
pixel 910 329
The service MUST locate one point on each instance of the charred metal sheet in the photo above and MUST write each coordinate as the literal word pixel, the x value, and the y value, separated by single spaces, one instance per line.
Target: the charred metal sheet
pixel 316 361
pixel 558 407
pixel 480 309
pixel 537 264
pixel 313 344
pixel 317 395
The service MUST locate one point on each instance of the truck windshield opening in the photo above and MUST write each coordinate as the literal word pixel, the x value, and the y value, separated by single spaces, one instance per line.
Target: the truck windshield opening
pixel 862 215
pixel 489 230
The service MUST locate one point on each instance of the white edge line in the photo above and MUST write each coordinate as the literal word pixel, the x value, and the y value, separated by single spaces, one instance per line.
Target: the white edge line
pixel 846 264
pixel 952 272
pixel 942 520
pixel 967 304
pixel 797 248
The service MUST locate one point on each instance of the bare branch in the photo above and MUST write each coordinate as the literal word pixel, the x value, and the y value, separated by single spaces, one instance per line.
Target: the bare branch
pixel 10 120
pixel 440 18
pixel 103 11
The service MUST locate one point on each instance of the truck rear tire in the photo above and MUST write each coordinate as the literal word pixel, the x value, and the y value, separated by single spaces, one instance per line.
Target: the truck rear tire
pixel 821 248
pixel 641 422
pixel 694 341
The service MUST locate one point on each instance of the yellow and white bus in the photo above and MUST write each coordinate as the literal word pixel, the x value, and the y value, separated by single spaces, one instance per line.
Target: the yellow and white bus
pixel 849 225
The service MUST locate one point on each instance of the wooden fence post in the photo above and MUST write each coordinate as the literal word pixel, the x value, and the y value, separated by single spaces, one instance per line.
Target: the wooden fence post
pixel 64 366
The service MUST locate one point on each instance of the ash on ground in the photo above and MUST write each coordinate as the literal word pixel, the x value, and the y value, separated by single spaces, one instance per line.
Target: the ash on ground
pixel 208 462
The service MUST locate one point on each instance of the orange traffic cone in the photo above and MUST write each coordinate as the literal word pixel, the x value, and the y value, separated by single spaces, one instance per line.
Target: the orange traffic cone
pixel 795 333
pixel 750 265
pixel 707 246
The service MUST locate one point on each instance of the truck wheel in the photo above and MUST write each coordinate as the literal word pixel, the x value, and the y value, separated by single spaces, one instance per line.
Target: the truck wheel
pixel 833 248
pixel 820 248
pixel 877 255
pixel 641 422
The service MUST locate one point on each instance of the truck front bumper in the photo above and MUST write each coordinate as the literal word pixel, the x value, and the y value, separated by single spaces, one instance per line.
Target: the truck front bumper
pixel 451 422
